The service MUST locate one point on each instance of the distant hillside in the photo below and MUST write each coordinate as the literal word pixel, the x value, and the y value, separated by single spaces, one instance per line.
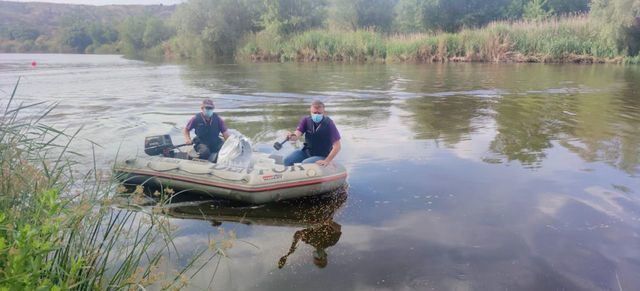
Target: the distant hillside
pixel 47 17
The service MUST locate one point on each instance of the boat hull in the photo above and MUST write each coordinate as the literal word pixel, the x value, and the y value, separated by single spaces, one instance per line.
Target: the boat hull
pixel 256 185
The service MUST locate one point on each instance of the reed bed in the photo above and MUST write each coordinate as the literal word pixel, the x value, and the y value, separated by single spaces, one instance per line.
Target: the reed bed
pixel 574 38
pixel 59 231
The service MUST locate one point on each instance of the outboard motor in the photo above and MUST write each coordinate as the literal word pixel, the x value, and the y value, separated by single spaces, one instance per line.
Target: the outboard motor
pixel 158 145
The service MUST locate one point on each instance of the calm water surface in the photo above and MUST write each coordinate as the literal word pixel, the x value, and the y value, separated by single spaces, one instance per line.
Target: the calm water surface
pixel 462 176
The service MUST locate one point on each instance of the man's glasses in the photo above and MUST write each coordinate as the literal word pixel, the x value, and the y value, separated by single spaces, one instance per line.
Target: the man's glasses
pixel 208 108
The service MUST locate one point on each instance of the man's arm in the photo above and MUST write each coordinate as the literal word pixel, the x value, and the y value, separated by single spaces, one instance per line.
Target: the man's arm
pixel 302 124
pixel 186 132
pixel 336 149
pixel 223 128
pixel 187 136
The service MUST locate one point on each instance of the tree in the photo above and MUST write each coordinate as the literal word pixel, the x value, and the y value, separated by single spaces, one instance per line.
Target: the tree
pixel 451 15
pixel 376 14
pixel 215 27
pixel 568 6
pixel 23 33
pixel 620 23
pixel 343 15
pixel 131 34
pixel 285 17
pixel 535 10
pixel 409 16
pixel 354 14
pixel 75 34
pixel 155 32
pixel 515 9
pixel 102 34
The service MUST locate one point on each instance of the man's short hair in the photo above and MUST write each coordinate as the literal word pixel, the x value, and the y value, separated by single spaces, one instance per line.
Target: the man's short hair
pixel 317 103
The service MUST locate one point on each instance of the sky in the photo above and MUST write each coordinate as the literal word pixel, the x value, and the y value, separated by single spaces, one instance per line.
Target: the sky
pixel 108 2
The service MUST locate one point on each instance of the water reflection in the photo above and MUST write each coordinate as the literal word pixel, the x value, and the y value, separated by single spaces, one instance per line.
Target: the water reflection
pixel 462 176
pixel 447 119
pixel 314 215
pixel 525 108
pixel 320 236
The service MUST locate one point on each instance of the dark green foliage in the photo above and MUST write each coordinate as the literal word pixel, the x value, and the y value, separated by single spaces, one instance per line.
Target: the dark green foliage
pixel 376 14
pixel 22 33
pixel 131 33
pixel 212 28
pixel 75 33
pixel 209 28
pixel 409 16
pixel 289 16
pixel 535 10
pixel 452 15
pixel 568 6
pixel 620 22
pixel 139 34
pixel 46 27
pixel 356 14
pixel 102 34
pixel 342 15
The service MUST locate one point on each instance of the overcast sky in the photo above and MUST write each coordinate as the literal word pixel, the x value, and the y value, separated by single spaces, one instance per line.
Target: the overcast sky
pixel 107 2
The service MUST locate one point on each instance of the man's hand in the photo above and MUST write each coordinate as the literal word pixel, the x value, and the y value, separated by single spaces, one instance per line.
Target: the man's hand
pixel 188 142
pixel 323 163
pixel 292 136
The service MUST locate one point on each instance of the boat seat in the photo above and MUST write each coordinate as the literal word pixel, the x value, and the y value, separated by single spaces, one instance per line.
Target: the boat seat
pixel 162 166
pixel 231 176
pixel 198 169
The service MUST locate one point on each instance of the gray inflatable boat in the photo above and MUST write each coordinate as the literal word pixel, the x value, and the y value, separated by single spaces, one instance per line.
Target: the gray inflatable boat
pixel 264 182
pixel 240 174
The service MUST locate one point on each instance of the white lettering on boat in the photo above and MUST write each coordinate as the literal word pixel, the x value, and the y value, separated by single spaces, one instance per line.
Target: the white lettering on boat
pixel 272 177
pixel 261 172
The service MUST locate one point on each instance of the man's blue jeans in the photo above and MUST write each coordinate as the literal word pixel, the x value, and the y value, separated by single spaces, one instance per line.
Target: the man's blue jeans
pixel 301 156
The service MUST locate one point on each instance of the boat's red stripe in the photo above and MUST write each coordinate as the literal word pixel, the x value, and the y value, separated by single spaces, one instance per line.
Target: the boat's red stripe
pixel 236 187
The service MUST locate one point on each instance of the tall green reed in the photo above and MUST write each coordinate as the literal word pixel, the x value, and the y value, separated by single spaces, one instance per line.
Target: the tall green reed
pixel 572 38
pixel 59 231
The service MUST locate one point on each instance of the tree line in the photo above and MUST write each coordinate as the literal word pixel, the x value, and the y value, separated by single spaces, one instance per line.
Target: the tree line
pixel 217 26
pixel 211 28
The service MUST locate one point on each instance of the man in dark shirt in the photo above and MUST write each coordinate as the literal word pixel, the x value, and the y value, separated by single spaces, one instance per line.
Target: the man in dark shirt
pixel 322 139
pixel 208 127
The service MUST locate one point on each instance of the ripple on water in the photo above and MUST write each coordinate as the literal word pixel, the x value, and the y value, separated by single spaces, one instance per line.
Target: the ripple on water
pixel 487 177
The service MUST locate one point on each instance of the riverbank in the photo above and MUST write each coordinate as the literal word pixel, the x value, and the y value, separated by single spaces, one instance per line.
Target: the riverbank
pixel 59 231
pixel 575 39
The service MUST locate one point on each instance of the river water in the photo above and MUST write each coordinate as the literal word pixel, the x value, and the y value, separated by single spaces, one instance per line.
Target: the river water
pixel 461 176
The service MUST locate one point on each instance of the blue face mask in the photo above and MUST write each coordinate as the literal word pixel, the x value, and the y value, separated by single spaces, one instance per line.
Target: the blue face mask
pixel 208 112
pixel 316 117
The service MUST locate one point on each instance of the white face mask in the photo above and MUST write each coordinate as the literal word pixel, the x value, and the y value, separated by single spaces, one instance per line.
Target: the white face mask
pixel 208 112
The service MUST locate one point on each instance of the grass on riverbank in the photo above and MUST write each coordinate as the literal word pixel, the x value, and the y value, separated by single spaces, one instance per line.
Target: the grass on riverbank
pixel 59 232
pixel 565 39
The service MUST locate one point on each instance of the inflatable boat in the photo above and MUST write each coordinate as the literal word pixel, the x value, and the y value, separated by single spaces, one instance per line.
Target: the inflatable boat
pixel 261 180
